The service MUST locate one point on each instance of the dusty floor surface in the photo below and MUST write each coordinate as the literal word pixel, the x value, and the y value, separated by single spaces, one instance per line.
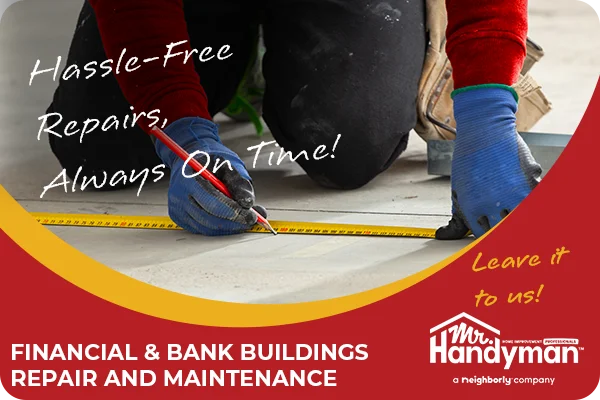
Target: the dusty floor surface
pixel 252 267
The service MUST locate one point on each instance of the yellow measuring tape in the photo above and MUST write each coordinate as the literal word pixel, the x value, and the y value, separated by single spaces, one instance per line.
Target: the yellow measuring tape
pixel 283 227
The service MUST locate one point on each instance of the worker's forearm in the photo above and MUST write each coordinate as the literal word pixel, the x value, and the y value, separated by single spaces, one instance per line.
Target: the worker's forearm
pixel 145 28
pixel 486 40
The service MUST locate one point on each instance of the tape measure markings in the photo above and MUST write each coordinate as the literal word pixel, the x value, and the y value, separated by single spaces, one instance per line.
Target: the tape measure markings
pixel 283 227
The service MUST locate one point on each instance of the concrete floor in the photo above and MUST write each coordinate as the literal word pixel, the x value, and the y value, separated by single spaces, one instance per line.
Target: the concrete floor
pixel 261 268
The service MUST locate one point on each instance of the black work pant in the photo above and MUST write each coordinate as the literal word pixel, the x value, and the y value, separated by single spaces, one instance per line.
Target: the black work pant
pixel 348 67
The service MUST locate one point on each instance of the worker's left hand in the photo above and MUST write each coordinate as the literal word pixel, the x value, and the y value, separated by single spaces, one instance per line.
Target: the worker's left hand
pixel 492 167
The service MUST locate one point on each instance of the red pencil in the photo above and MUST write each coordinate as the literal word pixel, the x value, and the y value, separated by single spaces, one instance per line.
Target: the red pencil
pixel 204 172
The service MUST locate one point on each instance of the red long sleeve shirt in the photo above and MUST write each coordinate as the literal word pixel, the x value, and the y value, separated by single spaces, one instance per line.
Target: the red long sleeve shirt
pixel 485 44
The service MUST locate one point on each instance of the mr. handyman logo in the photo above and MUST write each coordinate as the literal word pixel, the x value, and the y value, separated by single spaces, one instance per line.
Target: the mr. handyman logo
pixel 464 339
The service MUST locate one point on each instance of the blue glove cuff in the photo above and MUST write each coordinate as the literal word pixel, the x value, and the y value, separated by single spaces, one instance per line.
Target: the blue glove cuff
pixel 198 134
pixel 183 133
pixel 486 86
pixel 484 116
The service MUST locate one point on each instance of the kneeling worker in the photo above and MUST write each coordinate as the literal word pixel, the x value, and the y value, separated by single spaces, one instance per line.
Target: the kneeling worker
pixel 331 67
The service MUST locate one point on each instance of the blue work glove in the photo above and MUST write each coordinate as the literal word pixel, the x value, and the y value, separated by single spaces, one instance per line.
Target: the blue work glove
pixel 194 203
pixel 492 167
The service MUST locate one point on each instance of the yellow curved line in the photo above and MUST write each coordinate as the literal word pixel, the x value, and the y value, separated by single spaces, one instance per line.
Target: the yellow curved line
pixel 112 286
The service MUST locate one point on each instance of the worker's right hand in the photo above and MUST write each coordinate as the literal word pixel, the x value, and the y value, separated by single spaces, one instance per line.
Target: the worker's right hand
pixel 194 203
